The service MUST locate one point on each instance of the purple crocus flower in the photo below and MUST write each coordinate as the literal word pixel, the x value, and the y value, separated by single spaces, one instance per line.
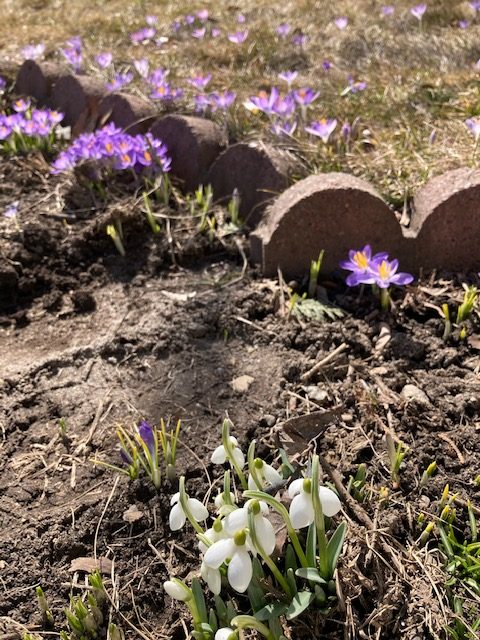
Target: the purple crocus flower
pixel 222 101
pixel 33 51
pixel 305 96
pixel 73 57
pixel 359 263
pixel 239 37
pixel 142 67
pixel 215 32
pixel 284 127
pixel 473 125
pixel 241 18
pixel 200 82
pixel 341 22
pixel 354 87
pixel 388 10
pixel 322 128
pixel 3 84
pixel 176 26
pixel 475 5
pixel 119 81
pixel 283 30
pixel 75 43
pixel 299 39
pixel 5 130
pixel 202 103
pixel 346 131
pixel 146 433
pixel 463 24
pixel 158 76
pixel 264 101
pixel 418 11
pixel 202 15
pixel 199 33
pixel 189 19
pixel 12 210
pixel 384 273
pixel 151 20
pixel 288 76
pixel 21 105
pixel 143 35
pixel 104 59
pixel 326 65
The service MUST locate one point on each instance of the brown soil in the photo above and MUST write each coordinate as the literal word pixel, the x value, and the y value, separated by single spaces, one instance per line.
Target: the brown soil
pixel 100 340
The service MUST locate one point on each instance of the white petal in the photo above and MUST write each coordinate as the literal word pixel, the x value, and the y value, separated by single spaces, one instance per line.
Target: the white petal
pixel 301 511
pixel 331 504
pixel 234 441
pixel 175 498
pixel 214 581
pixel 216 555
pixel 175 591
pixel 177 517
pixel 239 457
pixel 272 476
pixel 265 534
pixel 252 485
pixel 219 455
pixel 237 520
pixel 199 511
pixel 224 633
pixel 295 487
pixel 240 570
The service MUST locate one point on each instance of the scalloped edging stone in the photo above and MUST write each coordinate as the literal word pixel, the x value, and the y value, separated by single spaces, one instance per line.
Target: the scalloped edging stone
pixel 258 171
pixel 36 81
pixel 446 221
pixel 193 144
pixel 331 211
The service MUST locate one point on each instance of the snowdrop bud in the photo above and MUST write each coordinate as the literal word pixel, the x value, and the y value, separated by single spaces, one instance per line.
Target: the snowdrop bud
pixel 225 633
pixel 177 590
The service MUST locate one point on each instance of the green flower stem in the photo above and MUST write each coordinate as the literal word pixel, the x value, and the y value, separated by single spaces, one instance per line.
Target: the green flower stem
pixel 319 521
pixel 184 502
pixel 266 558
pixel 249 622
pixel 279 508
pixel 229 450
pixel 251 465
pixel 385 299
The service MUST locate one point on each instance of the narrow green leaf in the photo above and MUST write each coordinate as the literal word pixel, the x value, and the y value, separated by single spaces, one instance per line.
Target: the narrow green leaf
pixel 310 574
pixel 213 620
pixel 300 602
pixel 290 558
pixel 334 546
pixel 291 580
pixel 311 545
pixel 199 599
pixel 446 541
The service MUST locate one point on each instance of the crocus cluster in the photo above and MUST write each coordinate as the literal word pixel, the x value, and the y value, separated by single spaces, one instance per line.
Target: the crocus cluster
pixel 377 270
pixel 73 53
pixel 27 127
pixel 241 539
pixel 111 148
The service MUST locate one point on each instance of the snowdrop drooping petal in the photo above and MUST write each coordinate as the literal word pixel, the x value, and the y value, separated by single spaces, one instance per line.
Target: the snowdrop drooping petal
pixel 177 517
pixel 331 504
pixel 216 555
pixel 240 570
pixel 301 511
pixel 225 633
pixel 212 577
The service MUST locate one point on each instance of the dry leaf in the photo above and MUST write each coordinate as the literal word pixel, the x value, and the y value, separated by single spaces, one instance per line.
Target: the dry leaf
pixel 132 514
pixel 88 565
pixel 301 429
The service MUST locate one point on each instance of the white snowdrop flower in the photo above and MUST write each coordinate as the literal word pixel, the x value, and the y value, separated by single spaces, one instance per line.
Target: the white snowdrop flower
pixel 215 533
pixel 177 590
pixel 234 550
pixel 212 577
pixel 219 456
pixel 301 509
pixel 264 530
pixel 177 515
pixel 219 500
pixel 225 633
pixel 266 474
